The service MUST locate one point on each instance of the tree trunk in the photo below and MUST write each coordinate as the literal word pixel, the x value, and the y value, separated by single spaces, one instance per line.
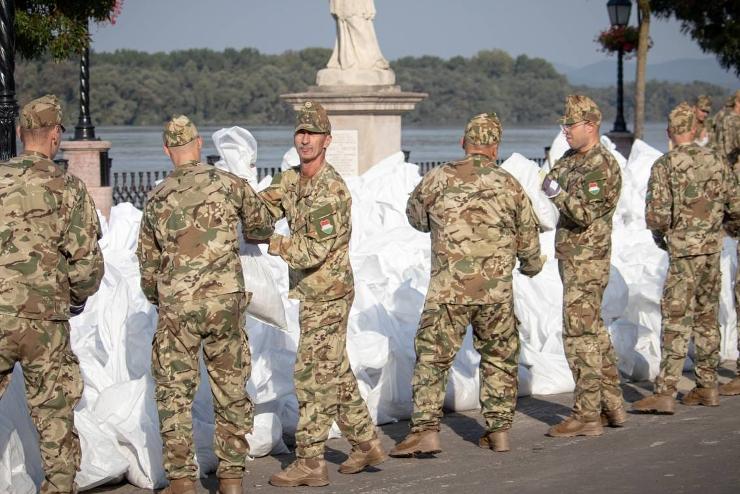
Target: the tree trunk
pixel 643 15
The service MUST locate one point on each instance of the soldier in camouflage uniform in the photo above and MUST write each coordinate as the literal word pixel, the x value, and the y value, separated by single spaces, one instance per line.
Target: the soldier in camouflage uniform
pixel 481 221
pixel 584 185
pixel 717 131
pixel 316 202
pixel 190 269
pixel 731 152
pixel 50 263
pixel 689 192
pixel 702 109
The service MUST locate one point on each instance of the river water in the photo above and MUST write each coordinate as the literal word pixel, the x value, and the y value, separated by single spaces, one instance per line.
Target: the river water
pixel 140 148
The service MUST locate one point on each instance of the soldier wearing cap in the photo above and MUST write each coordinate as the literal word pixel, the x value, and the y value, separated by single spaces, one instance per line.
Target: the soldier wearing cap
pixel 50 263
pixel 481 221
pixel 584 185
pixel 689 191
pixel 190 269
pixel 702 109
pixel 316 202
pixel 725 137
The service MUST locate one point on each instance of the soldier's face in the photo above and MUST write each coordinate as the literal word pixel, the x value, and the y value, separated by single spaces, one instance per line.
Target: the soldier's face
pixel 576 134
pixel 309 145
pixel 700 115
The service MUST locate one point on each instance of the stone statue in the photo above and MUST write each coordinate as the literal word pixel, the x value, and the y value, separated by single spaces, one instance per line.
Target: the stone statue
pixel 356 59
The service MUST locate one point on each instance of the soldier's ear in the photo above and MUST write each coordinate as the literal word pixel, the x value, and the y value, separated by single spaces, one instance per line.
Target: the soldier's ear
pixel 167 151
pixel 327 141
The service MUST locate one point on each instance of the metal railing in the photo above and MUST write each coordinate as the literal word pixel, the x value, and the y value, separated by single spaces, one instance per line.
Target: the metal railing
pixel 133 187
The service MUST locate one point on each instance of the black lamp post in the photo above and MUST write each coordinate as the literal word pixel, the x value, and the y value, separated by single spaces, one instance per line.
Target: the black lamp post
pixel 619 16
pixel 8 103
pixel 85 130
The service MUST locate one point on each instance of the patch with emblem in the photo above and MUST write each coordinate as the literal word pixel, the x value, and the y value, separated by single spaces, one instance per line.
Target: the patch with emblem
pixel 326 226
pixel 593 188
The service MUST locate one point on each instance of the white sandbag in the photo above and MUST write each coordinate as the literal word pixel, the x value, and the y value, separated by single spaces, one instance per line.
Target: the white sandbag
pixel 290 159
pixel 267 436
pixel 266 304
pixel 13 476
pixel 238 150
pixel 528 175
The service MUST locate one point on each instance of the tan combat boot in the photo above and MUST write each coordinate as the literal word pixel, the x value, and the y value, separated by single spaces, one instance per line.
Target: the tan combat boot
pixel 180 486
pixel 497 441
pixel 364 455
pixel 656 403
pixel 304 471
pixel 424 442
pixel 230 486
pixel 614 418
pixel 709 397
pixel 571 427
pixel 732 388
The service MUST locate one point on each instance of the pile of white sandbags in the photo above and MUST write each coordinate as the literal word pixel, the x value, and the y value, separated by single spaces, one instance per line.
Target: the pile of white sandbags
pixel 117 418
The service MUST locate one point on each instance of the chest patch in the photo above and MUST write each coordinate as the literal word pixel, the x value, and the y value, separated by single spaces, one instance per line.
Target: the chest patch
pixel 326 227
pixel 593 188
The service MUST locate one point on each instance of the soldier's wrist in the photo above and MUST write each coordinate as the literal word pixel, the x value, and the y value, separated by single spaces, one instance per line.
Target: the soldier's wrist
pixel 274 247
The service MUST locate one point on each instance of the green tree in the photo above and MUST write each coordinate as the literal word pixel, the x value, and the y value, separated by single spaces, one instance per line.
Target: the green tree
pixel 58 27
pixel 715 25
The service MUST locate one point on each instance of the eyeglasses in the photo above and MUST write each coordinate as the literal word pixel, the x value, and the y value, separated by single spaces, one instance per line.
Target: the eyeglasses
pixel 569 127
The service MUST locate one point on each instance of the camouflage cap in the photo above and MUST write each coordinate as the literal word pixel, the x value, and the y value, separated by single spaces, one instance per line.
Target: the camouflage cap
pixel 179 131
pixel 579 108
pixel 681 119
pixel 704 103
pixel 312 117
pixel 483 130
pixel 45 111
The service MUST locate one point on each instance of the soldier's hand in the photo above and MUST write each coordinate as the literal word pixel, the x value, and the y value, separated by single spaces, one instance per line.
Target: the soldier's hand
pixel 76 310
pixel 550 187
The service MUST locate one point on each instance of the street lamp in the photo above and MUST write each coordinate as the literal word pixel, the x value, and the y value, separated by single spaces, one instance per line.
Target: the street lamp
pixel 619 16
pixel 85 130
pixel 8 105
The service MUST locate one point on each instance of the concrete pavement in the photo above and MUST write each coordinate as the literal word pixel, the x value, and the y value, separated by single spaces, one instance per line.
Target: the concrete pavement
pixel 695 450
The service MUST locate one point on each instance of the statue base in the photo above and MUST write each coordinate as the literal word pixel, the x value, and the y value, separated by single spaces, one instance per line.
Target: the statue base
pixel 365 120
pixel 84 163
pixel 355 77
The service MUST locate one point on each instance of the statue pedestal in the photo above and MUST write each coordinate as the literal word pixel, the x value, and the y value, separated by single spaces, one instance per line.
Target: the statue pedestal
pixel 365 120
pixel 84 163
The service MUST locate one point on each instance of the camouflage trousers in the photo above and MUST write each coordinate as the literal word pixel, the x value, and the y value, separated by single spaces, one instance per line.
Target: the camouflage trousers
pixel 218 324
pixel 690 307
pixel 440 335
pixel 325 386
pixel 588 347
pixel 53 382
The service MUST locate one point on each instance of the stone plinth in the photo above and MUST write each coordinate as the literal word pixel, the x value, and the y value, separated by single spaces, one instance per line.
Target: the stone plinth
pixel 623 141
pixel 84 163
pixel 365 120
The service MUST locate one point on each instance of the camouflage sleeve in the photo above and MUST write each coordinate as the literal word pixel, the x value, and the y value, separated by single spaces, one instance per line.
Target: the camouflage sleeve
pixel 149 256
pixel 732 212
pixel 659 199
pixel 80 247
pixel 255 215
pixel 527 237
pixel 310 246
pixel 595 195
pixel 420 200
pixel 272 198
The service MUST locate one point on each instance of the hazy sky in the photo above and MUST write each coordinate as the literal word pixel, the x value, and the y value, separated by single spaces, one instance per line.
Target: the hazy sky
pixel 561 31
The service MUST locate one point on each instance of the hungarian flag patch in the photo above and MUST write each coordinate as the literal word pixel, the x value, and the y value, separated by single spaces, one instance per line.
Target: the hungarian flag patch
pixel 593 188
pixel 326 227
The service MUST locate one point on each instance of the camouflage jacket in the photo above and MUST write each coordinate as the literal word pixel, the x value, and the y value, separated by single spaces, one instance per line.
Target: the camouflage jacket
pixel 319 216
pixel 688 194
pixel 49 232
pixel 732 220
pixel 590 190
pixel 188 243
pixel 481 221
pixel 728 140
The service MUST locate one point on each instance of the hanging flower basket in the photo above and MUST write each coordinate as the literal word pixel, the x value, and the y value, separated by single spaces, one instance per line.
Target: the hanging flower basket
pixel 625 37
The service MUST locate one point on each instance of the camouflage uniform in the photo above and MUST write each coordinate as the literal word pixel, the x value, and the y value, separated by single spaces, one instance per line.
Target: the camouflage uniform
pixel 49 260
pixel 481 221
pixel 688 194
pixel 317 253
pixel 719 131
pixel 728 130
pixel 189 256
pixel 590 184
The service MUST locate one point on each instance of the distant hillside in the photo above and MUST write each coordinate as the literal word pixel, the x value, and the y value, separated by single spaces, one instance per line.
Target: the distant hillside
pixel 244 86
pixel 683 70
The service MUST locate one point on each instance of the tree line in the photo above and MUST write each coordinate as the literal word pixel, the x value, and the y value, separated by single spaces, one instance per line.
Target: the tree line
pixel 243 87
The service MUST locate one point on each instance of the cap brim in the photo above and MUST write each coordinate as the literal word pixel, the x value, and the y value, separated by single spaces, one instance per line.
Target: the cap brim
pixel 310 128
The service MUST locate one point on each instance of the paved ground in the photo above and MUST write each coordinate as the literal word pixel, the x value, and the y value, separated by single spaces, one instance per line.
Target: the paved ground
pixel 695 450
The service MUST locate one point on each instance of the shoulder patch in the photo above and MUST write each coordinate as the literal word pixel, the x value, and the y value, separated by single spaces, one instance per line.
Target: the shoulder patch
pixel 277 179
pixel 323 221
pixel 593 185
